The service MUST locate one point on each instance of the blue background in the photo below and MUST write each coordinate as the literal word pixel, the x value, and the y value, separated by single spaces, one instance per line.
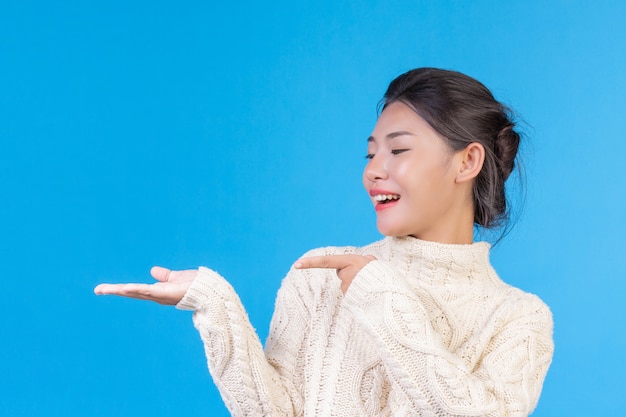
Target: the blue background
pixel 232 136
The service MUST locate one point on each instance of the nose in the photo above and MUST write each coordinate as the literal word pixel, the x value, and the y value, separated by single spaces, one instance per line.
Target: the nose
pixel 375 169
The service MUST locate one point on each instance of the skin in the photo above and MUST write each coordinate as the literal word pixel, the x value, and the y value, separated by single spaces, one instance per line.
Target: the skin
pixel 169 290
pixel 407 157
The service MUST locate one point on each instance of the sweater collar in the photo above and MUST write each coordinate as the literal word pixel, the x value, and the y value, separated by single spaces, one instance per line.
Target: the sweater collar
pixel 455 260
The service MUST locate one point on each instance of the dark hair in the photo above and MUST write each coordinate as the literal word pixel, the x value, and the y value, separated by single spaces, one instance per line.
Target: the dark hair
pixel 463 110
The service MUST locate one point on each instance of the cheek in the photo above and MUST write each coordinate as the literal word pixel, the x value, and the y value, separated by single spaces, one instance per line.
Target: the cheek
pixel 407 175
pixel 421 182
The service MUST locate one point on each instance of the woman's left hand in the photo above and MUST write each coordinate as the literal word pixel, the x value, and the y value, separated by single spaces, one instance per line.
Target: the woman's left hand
pixel 347 266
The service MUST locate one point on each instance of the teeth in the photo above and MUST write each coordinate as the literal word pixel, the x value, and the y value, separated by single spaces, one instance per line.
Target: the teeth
pixel 385 197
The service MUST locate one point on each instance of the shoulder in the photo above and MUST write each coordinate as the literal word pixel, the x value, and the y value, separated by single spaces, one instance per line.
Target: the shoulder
pixel 518 296
pixel 513 301
pixel 524 307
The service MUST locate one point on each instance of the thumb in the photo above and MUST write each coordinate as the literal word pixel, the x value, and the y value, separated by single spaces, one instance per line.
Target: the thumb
pixel 159 273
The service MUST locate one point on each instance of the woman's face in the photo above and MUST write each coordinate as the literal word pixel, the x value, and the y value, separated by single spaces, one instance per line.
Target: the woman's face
pixel 410 177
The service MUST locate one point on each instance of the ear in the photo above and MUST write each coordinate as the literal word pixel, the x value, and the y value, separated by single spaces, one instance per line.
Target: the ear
pixel 471 162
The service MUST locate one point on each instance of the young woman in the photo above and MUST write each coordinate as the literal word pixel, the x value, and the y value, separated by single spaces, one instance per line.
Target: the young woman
pixel 417 324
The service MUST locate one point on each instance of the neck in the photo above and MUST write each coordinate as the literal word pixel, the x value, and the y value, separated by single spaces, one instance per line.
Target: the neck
pixel 455 236
pixel 456 228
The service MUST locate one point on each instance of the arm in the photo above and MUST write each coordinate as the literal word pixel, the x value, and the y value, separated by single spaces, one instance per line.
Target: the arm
pixel 507 379
pixel 284 347
pixel 249 384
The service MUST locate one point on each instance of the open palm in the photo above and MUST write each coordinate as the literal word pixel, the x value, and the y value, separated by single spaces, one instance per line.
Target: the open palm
pixel 169 290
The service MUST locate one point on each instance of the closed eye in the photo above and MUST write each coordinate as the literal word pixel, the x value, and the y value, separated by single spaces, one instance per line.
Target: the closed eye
pixel 398 151
pixel 369 156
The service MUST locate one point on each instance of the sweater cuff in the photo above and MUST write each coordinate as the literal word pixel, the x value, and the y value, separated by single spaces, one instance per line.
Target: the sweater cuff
pixel 373 279
pixel 201 290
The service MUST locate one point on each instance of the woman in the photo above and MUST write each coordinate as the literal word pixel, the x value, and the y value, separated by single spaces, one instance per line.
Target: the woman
pixel 416 324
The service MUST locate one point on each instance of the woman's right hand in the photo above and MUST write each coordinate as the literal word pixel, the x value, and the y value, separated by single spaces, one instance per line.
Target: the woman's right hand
pixel 170 289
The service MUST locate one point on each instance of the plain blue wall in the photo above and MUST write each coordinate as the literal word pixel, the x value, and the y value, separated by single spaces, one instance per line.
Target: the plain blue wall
pixel 232 136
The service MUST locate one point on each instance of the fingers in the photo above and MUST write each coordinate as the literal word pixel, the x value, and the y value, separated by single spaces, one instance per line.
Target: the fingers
pixel 332 261
pixel 169 290
pixel 134 290
pixel 122 289
pixel 104 289
pixel 329 261
pixel 152 292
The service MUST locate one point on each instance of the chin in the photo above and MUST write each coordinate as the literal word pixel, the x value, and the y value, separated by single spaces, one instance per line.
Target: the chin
pixel 391 231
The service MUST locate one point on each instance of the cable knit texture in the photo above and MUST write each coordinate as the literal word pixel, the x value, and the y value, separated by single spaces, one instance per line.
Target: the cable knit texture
pixel 427 329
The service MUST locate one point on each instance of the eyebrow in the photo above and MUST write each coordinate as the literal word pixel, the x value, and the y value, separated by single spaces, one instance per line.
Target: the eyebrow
pixel 391 135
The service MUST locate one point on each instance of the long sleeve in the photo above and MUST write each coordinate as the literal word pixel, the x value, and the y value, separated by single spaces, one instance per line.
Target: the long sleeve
pixel 427 329
pixel 498 372
pixel 248 383
pixel 285 345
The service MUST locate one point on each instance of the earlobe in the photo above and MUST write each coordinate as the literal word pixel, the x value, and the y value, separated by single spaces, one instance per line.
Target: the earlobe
pixel 472 159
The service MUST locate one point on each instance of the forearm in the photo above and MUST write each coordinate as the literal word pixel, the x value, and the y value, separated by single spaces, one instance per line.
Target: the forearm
pixel 249 385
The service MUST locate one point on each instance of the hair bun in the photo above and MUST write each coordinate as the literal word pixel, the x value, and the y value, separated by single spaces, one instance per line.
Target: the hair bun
pixel 505 148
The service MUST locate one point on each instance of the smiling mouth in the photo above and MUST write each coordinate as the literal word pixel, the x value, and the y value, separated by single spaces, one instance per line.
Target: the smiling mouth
pixel 386 198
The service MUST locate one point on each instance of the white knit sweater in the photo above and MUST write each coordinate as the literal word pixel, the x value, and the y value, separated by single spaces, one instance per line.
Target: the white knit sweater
pixel 428 329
